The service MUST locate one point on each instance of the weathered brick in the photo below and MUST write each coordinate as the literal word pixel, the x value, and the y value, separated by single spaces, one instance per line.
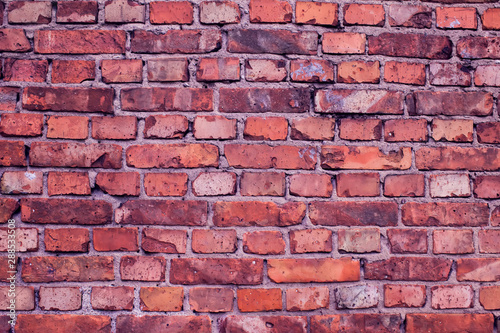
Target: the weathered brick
pixel 358 184
pixel 478 269
pixel 404 72
pixel 218 69
pixel 269 128
pixel 445 214
pixel 404 185
pixel 457 158
pixel 410 45
pixel 359 101
pixel 272 41
pixel 452 297
pixel 266 157
pixel 265 70
pixel 489 297
pixel 176 41
pixel 70 269
pixel 168 70
pixel 177 155
pixel 112 298
pixel 214 184
pixel 26 239
pixel 268 324
pixel 68 99
pixel 59 182
pixel 449 75
pixel 115 239
pixel 313 270
pixel 312 70
pixel 202 299
pixel 8 97
pixel 478 47
pixel 72 71
pixel 488 132
pixel 404 296
pixel 60 298
pixel 364 157
pixel 270 11
pixel 167 99
pixel 256 300
pixel 256 213
pixel 162 212
pixel 165 126
pixel 12 153
pixel 311 185
pixel 409 269
pixel 486 75
pixel 262 183
pixel 175 324
pixel 344 43
pixel 357 297
pixel 214 241
pixel 489 241
pixel 310 240
pixel 360 129
pixel 216 271
pixel 452 241
pixel 263 242
pixel 114 128
pixel 353 213
pixel 358 322
pixel 313 128
pixel 456 18
pixel 358 72
pixel 66 211
pixel 24 298
pixel 449 185
pixel 62 323
pixel 317 13
pixel 164 241
pixel 219 12
pixel 448 323
pixel 407 240
pixel 165 184
pixel 364 14
pixel 495 217
pixel 141 268
pixel 80 41
pixel 171 12
pixel 67 240
pixel 22 182
pixel 67 127
pixel 455 130
pixel 214 127
pixel 123 11
pixel 14 40
pixel 119 183
pixel 410 16
pixel 121 71
pixel 258 100
pixel 359 240
pixel 25 12
pixel 307 299
pixel 161 298
pixel 25 70
pixel 405 130
pixel 490 19
pixel 76 12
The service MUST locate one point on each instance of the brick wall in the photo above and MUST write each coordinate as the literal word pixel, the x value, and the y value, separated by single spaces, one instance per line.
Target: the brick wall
pixel 251 166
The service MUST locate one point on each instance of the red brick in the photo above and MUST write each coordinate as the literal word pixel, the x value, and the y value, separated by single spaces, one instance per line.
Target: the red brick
pixel 26 239
pixel 121 71
pixel 161 298
pixel 405 130
pixel 359 101
pixel 456 18
pixel 455 130
pixel 402 15
pixel 409 269
pixel 168 70
pixel 170 12
pixel 14 40
pixel 344 43
pixel 259 100
pixel 68 99
pixel 272 41
pixel 404 72
pixel 25 70
pixel 114 128
pixel 12 153
pixel 266 157
pixel 407 240
pixel 67 240
pixel 270 11
pixel 25 12
pixel 75 155
pixel 313 270
pixel 448 323
pixel 256 213
pixel 278 324
pixel 176 41
pixel 486 75
pixel 361 14
pixel 478 269
pixel 358 184
pixel 312 70
pixel 311 185
pixel 59 323
pixel 66 211
pixel 123 11
pixel 265 70
pixel 8 97
pixel 76 12
pixel 141 268
pixel 218 69
pixel 489 241
pixel 256 300
pixel 445 214
pixel 165 127
pixel 70 269
pixel 203 299
pixel 72 71
pixel 79 41
pixel 478 47
pixel 306 299
pixel 262 183
pixel 359 240
pixel 1 23
pixel 5 275
pixel 263 242
pixel 115 239
pixel 119 183
pixel 175 324
pixel 60 183
pixel 495 217
pixel 313 128
pixel 491 19
pixel 60 298
pixel 353 213
pixel 358 72
pixel 214 127
pixel 164 241
pixel 167 99
pixel 404 185
pixel 162 212
pixel 404 296
pixel 112 298
pixel 311 240
pixel 214 241
pixel 24 298
pixel 452 297
pixel 410 45
pixel 364 157
pixel 180 155
pixel 458 158
pixel 318 13
pixel 22 182
pixel 219 12
pixel 216 271
pixel 488 132
pixel 67 127
pixel 450 75
pixel 358 322
pixel 269 128
pixel 360 129
pixel 489 297
pixel 165 184
pixel 452 241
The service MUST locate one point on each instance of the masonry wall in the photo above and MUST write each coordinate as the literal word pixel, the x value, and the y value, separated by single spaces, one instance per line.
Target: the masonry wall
pixel 251 166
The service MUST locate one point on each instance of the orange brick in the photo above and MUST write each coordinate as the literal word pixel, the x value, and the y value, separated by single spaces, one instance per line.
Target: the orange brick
pixel 358 184
pixel 407 296
pixel 59 182
pixel 270 11
pixel 269 128
pixel 263 183
pixel 21 124
pixel 114 128
pixel 255 300
pixel 67 240
pixel 119 183
pixel 312 240
pixel 165 184
pixel 404 186
pixel 115 239
pixel 318 13
pixel 358 72
pixel 161 298
pixel 214 241
pixel 307 299
pixel 164 241
pixel 263 242
pixel 311 185
pixel 404 72
pixel 491 19
pixel 171 12
pixel 313 128
pixel 67 127
pixel 405 130
pixel 357 14
pixel 360 129
pixel 456 18
pixel 344 43
pixel 72 71
pixel 489 297
pixel 121 71
pixel 218 69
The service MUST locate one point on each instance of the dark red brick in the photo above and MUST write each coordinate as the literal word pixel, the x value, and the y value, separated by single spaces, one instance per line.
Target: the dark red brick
pixel 176 41
pixel 175 324
pixel 357 322
pixel 454 103
pixel 59 323
pixel 445 214
pixel 12 153
pixel 409 269
pixel 258 100
pixel 410 45
pixel 167 99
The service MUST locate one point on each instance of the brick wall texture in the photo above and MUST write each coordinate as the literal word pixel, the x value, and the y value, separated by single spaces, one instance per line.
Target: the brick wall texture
pixel 264 166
